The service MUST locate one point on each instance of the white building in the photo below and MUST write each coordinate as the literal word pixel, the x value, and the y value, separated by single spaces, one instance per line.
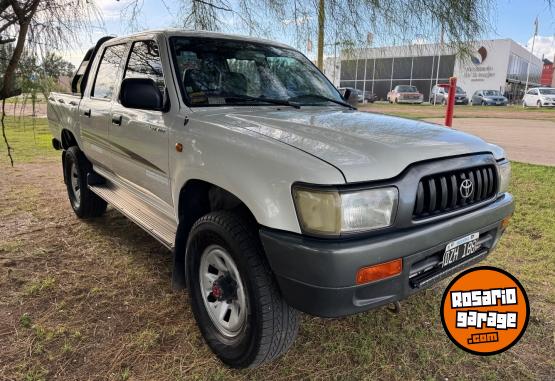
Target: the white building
pixel 494 65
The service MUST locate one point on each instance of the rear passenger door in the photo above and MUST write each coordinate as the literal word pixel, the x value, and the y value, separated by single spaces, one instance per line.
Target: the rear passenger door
pixel 141 136
pixel 95 107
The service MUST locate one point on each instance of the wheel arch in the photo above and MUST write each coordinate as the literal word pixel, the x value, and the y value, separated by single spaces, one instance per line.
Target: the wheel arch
pixel 68 139
pixel 196 199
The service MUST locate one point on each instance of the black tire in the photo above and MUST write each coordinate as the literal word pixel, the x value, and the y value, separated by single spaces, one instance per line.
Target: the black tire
pixel 484 103
pixel 271 325
pixel 443 102
pixel 85 203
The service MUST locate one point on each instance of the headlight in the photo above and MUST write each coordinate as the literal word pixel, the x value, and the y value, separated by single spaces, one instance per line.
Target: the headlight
pixel 504 176
pixel 332 212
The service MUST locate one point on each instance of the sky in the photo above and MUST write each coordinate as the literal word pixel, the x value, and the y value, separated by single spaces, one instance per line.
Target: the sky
pixel 511 19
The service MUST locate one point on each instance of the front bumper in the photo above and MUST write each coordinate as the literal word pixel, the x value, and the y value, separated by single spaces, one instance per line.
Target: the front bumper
pixel 411 101
pixel 494 103
pixel 317 276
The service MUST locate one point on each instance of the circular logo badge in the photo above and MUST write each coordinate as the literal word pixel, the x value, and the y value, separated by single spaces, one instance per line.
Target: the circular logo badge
pixel 466 189
pixel 485 310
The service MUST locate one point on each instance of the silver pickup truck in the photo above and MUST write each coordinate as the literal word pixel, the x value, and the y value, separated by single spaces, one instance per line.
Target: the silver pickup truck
pixel 273 192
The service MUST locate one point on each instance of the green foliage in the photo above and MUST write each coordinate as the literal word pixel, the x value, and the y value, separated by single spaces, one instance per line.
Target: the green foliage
pixel 25 320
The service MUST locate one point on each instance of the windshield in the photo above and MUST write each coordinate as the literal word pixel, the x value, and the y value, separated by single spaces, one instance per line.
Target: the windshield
pixel 407 89
pixel 459 90
pixel 547 91
pixel 219 72
pixel 491 92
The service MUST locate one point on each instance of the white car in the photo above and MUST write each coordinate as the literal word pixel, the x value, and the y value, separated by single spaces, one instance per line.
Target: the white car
pixel 274 195
pixel 539 97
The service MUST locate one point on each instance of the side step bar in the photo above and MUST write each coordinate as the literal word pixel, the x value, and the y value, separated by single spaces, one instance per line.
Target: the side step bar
pixel 156 224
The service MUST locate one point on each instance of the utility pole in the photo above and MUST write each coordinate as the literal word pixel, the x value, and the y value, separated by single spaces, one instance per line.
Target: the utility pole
pixel 321 20
pixel 439 58
pixel 531 54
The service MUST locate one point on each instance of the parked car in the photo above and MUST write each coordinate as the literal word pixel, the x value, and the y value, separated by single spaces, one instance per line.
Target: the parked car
pixel 441 94
pixel 539 97
pixel 405 94
pixel 488 98
pixel 274 195
pixel 358 93
pixel 363 96
pixel 369 96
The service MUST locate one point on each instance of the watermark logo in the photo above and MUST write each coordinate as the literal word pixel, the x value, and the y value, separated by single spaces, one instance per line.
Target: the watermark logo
pixel 480 56
pixel 485 310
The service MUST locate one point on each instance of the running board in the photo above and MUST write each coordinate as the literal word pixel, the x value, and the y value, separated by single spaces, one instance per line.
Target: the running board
pixel 154 223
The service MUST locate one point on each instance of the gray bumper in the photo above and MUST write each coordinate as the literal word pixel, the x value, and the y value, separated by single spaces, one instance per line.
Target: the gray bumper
pixel 317 276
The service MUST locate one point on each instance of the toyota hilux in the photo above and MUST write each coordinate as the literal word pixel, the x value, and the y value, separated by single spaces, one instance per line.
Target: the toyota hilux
pixel 273 193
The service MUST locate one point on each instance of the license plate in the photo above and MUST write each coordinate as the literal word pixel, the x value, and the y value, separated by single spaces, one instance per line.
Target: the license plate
pixel 460 248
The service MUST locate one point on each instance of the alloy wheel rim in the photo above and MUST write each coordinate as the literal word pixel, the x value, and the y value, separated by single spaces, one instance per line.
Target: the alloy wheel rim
pixel 222 291
pixel 75 185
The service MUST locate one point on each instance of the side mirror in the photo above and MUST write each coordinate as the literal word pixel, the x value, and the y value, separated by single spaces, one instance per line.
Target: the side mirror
pixel 351 97
pixel 141 93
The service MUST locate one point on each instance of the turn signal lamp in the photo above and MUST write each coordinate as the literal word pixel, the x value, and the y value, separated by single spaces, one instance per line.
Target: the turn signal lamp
pixel 378 272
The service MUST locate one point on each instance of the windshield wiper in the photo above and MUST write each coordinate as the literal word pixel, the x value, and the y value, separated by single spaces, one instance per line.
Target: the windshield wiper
pixel 324 98
pixel 282 102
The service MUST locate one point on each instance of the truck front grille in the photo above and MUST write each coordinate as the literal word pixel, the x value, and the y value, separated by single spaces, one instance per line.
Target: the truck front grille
pixel 444 192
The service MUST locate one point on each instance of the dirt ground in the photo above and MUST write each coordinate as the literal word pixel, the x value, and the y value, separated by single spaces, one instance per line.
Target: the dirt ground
pixel 524 140
pixel 91 300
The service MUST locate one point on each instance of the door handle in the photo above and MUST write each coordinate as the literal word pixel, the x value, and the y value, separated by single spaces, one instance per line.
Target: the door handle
pixel 73 103
pixel 116 120
pixel 87 113
pixel 60 100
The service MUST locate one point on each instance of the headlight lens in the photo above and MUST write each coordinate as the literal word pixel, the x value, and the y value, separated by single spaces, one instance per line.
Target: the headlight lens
pixel 504 177
pixel 334 212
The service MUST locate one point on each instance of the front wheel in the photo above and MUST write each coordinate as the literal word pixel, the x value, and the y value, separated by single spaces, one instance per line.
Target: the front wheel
pixel 234 296
pixel 539 104
pixel 85 203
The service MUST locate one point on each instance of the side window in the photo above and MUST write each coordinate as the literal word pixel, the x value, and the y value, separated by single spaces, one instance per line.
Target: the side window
pixel 106 76
pixel 144 62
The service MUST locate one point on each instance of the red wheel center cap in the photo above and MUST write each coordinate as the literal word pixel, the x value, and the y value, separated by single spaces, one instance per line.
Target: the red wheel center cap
pixel 217 290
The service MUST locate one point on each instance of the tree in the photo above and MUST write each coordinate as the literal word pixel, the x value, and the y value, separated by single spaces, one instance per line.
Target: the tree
pixel 348 22
pixel 32 26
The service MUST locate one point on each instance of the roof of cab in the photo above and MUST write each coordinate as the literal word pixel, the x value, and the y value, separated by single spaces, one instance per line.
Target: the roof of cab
pixel 169 32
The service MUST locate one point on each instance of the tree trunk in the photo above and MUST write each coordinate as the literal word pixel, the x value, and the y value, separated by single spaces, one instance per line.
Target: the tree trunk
pixel 9 74
pixel 321 23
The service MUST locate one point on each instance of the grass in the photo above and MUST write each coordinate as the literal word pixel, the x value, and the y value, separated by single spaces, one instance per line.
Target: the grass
pixel 461 111
pixel 92 300
pixel 29 138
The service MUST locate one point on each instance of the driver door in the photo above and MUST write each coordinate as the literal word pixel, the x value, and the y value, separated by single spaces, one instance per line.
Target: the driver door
pixel 142 136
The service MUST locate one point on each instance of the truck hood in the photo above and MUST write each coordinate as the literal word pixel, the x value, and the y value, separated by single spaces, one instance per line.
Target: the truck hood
pixel 363 146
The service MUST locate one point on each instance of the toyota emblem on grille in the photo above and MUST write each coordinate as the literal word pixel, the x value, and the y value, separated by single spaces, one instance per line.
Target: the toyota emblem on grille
pixel 466 189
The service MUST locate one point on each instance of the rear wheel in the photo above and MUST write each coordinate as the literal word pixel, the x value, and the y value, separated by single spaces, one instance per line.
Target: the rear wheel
pixel 484 103
pixel 85 203
pixel 234 297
